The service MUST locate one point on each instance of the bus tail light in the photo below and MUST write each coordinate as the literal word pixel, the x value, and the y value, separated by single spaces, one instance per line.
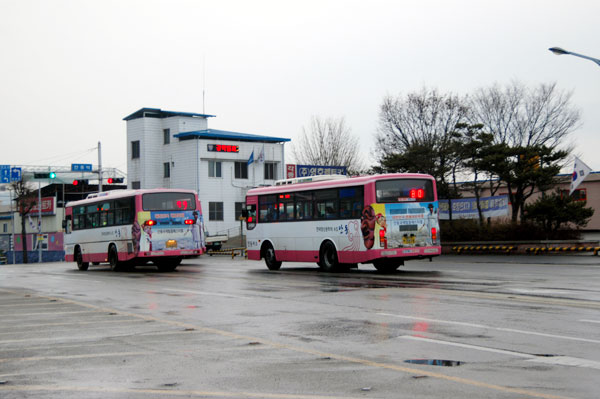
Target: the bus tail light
pixel 189 221
pixel 150 222
pixel 433 234
pixel 382 239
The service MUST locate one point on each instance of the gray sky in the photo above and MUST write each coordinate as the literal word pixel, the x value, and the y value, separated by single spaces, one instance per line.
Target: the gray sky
pixel 71 70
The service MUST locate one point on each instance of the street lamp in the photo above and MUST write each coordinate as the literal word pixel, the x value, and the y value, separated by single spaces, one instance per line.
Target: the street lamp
pixel 560 51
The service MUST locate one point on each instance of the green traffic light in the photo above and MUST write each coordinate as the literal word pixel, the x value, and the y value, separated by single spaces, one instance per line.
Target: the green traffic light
pixel 52 175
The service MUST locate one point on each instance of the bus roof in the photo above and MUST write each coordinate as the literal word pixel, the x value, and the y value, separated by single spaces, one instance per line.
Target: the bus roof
pixel 113 194
pixel 352 181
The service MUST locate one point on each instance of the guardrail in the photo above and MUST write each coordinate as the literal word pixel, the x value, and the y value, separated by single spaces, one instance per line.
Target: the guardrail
pixel 545 250
pixel 484 248
pixel 233 252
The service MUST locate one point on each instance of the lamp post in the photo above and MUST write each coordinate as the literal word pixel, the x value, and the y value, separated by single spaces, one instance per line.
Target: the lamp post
pixel 560 51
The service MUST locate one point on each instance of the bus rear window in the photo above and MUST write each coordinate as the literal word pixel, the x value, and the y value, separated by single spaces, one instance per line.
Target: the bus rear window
pixel 404 190
pixel 168 202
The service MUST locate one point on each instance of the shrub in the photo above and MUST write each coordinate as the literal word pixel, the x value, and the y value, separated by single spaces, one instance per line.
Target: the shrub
pixel 469 230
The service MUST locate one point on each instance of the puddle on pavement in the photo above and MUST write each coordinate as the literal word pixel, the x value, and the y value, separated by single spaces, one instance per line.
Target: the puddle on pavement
pixel 435 362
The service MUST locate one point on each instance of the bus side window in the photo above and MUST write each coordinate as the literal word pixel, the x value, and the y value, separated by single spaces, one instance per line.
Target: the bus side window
pixel 67 225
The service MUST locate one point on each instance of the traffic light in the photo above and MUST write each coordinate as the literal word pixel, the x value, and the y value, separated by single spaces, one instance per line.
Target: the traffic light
pixel 44 175
pixel 78 182
pixel 114 180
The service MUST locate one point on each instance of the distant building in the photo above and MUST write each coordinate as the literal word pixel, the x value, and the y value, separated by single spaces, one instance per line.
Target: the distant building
pixel 588 190
pixel 177 150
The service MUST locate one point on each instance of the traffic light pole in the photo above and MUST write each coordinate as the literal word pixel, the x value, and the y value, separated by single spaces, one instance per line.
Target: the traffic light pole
pixel 38 235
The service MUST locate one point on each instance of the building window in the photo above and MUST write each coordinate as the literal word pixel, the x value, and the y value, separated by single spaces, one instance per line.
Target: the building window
pixel 270 171
pixel 238 209
pixel 579 194
pixel 135 149
pixel 5 227
pixel 136 185
pixel 215 211
pixel 167 170
pixel 241 170
pixel 214 169
pixel 166 136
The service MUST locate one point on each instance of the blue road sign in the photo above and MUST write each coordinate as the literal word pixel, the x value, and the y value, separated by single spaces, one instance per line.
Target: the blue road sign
pixel 16 174
pixel 4 173
pixel 81 167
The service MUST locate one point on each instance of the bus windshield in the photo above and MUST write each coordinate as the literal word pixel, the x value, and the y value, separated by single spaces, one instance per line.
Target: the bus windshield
pixel 168 202
pixel 404 190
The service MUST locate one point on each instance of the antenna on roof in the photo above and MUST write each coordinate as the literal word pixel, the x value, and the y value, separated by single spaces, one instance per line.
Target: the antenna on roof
pixel 203 81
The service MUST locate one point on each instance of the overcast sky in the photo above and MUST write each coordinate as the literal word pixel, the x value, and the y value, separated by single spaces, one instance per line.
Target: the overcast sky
pixel 71 70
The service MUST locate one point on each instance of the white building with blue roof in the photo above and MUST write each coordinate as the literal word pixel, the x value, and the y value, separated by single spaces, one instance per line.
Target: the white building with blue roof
pixel 177 150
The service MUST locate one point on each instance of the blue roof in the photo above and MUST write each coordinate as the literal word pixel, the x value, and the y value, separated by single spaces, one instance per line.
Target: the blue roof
pixel 225 135
pixel 159 113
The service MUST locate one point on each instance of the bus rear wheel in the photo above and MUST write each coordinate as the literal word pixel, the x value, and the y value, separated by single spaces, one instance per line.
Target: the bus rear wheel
pixel 113 258
pixel 387 265
pixel 81 265
pixel 270 258
pixel 328 260
pixel 167 264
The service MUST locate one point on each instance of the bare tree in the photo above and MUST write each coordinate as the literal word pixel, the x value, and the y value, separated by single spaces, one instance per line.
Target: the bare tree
pixel 417 134
pixel 530 127
pixel 328 142
pixel 522 116
pixel 26 199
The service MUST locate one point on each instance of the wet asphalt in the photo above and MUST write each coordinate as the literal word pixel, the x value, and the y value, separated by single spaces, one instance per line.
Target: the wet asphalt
pixel 461 326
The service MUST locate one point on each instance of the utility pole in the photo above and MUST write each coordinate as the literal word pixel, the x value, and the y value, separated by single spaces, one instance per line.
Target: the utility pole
pixel 99 168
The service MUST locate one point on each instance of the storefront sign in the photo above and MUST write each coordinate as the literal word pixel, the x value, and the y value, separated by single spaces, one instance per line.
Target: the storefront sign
pixel 48 206
pixel 313 170
pixel 223 148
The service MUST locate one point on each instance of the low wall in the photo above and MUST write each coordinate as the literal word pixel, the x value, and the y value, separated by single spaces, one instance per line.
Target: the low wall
pixel 522 247
pixel 33 256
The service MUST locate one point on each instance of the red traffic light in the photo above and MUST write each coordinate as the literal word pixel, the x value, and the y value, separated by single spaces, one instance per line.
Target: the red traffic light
pixel 75 182
pixel 109 180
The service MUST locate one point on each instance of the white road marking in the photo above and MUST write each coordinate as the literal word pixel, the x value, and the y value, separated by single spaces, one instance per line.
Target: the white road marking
pixel 459 323
pixel 476 347
pixel 567 361
pixel 590 321
pixel 206 293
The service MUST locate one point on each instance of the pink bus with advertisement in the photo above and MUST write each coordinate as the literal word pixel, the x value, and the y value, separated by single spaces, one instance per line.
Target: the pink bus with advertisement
pixel 339 222
pixel 126 228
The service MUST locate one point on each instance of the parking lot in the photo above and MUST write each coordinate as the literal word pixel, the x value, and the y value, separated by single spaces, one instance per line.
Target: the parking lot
pixel 460 326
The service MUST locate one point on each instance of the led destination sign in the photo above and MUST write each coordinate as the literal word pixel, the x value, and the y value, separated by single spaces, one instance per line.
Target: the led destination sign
pixel 223 148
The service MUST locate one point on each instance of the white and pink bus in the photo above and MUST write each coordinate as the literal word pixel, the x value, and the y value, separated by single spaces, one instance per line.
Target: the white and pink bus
pixel 340 222
pixel 133 227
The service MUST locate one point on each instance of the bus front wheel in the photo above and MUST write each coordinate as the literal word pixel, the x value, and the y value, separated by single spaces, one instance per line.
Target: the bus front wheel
pixel 81 265
pixel 328 258
pixel 270 258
